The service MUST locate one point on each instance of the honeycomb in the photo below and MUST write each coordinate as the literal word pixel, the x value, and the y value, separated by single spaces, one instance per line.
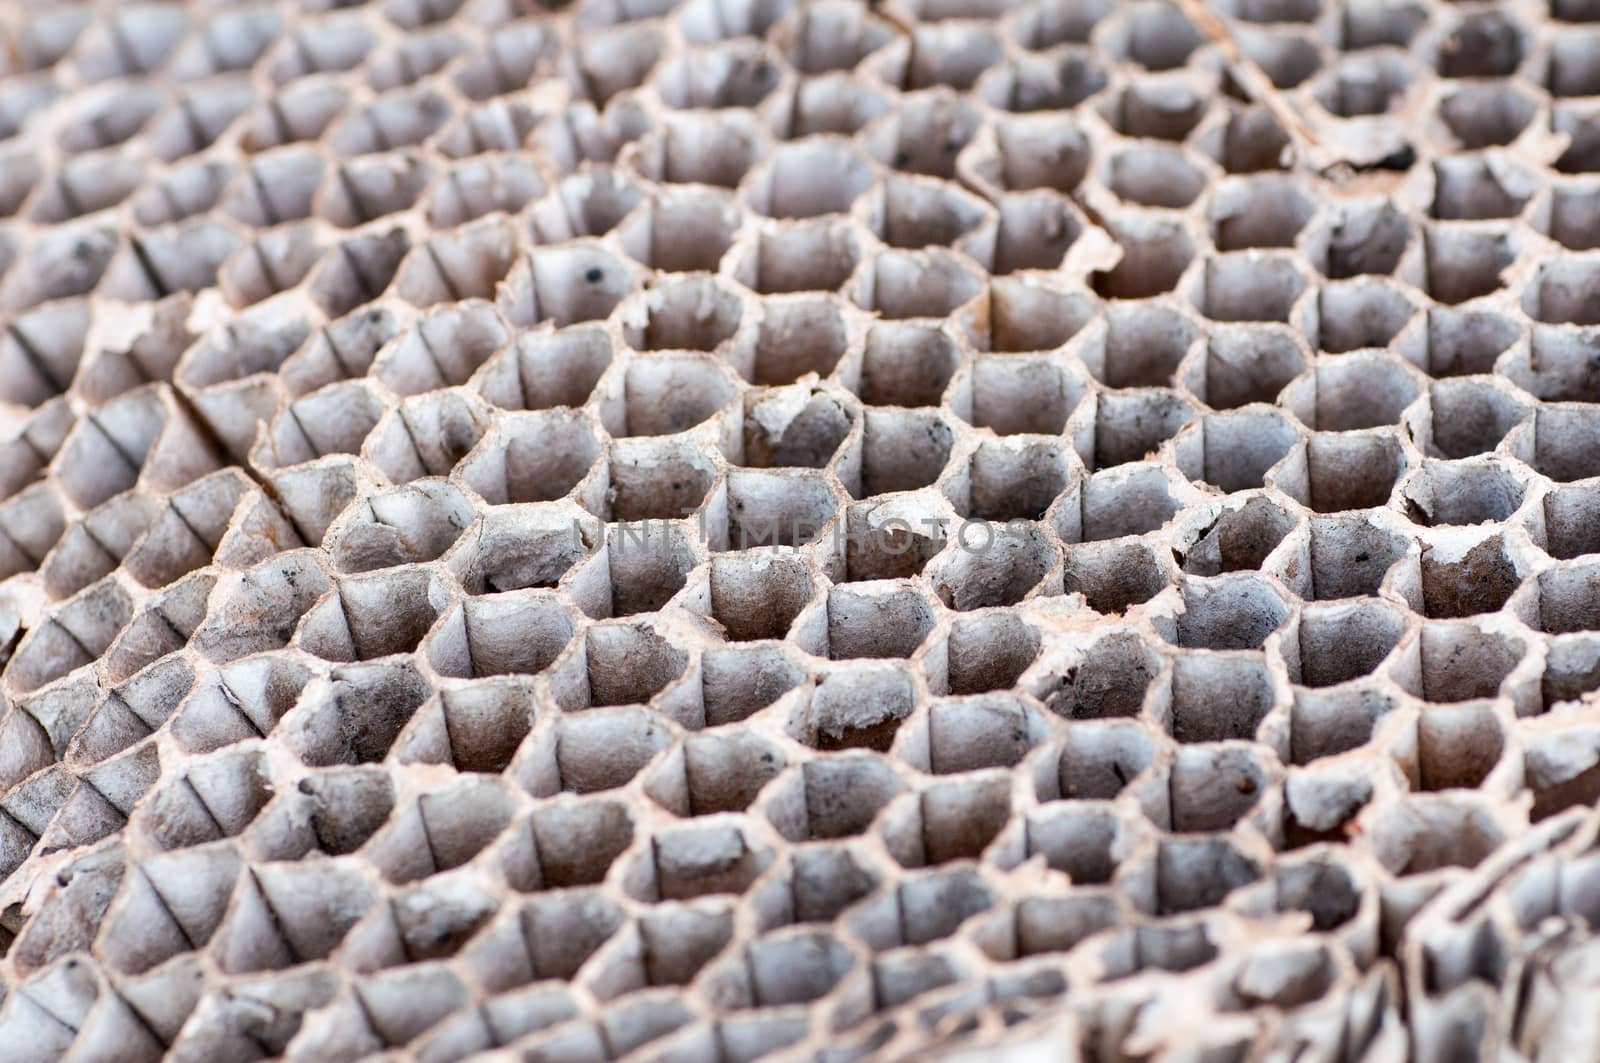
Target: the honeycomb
pixel 705 530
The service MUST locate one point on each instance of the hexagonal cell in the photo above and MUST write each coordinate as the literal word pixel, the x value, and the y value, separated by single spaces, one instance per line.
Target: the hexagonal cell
pixel 607 63
pixel 1133 425
pixel 1057 80
pixel 146 268
pixel 950 56
pixel 370 616
pixel 1011 395
pixel 1479 187
pixel 365 189
pixel 1246 364
pixel 1113 576
pixel 806 178
pixel 563 285
pixel 713 773
pixel 511 58
pixel 1481 45
pixel 669 393
pixel 797 336
pixel 1249 286
pixel 515 633
pixel 1233 451
pixel 738 74
pixel 1335 643
pixel 1480 579
pixel 1566 601
pixel 1486 115
pixel 442 829
pixel 1128 500
pixel 544 370
pixel 696 314
pixel 739 682
pixel 1466 342
pixel 1216 697
pixel 1364 84
pixel 464 264
pixel 682 230
pixel 356 715
pixel 591 202
pixel 1357 314
pixel 1557 367
pixel 1566 441
pixel 710 148
pixel 1160 107
pixel 652 663
pixel 1570 528
pixel 593 751
pixel 1469 417
pixel 922 134
pixel 1039 152
pixel 907 284
pixel 993 565
pixel 832 36
pixel 486 185
pixel 567 842
pixel 1156 251
pixel 1365 390
pixel 1463 263
pixel 1344 472
pixel 855 708
pixel 758 597
pixel 800 257
pixel 1155 175
pixel 475 727
pixel 1459 493
pixel 442 350
pixel 531 457
pixel 1235 612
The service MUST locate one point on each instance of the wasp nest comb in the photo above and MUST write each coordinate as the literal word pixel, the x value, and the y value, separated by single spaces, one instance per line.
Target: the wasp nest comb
pixel 801 529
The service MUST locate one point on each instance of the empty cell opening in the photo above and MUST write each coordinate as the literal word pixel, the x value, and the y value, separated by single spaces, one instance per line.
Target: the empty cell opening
pixel 902 450
pixel 430 921
pixel 1572 522
pixel 1483 45
pixel 892 545
pixel 1567 441
pixel 111 119
pixel 40 352
pixel 1328 721
pixel 770 509
pixel 1113 576
pixel 1217 697
pixel 758 597
pixel 1578 122
pixel 1250 142
pixel 413 58
pixel 1266 211
pixel 1471 417
pixel 712 148
pixel 1363 85
pixel 105 454
pixel 1427 834
pixel 591 202
pixel 952 56
pixel 833 36
pixel 442 350
pixel 564 285
pixel 629 664
pixel 1027 317
pixel 1132 425
pixel 214 799
pixel 334 45
pixel 1485 116
pixel 1155 175
pixel 1476 187
pixel 1229 613
pixel 473 728
pixel 1367 390
pixel 516 633
pixel 284 914
pixel 797 337
pixel 1350 472
pixel 1057 80
pixel 493 184
pixel 1128 500
pixel 568 842
pixel 907 365
pixel 1353 315
pixel 1466 342
pixel 1572 69
pixel 426 436
pixel 606 63
pixel 92 547
pixel 1158 107
pixel 1462 662
pixel 740 74
pixel 667 394
pixel 833 797
pixel 958 819
pixel 1452 493
pixel 903 284
pixel 1239 540
pixel 603 750
pixel 883 620
pixel 147 267
pixel 915 212
pixel 738 683
pixel 1191 874
pixel 683 231
pixel 1036 229
pixel 809 178
pixel 1337 643
pixel 989 652
pixel 1364 237
pixel 441 830
pixel 371 616
pixel 804 257
pixel 1212 788
pixel 1013 482
pixel 778 433
pixel 1109 681
pixel 656 480
pixel 1480 581
pixel 711 774
pixel 356 716
pixel 697 860
pixel 1087 844
pixel 1455 748
pixel 531 457
pixel 994 565
pixel 511 59
pixel 695 315
pixel 1236 449
pixel 466 264
pixel 1155 253
pixel 1560 367
pixel 922 134
pixel 855 709
pixel 1141 347
pixel 1464 263
pixel 1012 396
pixel 1564 291
pixel 794 969
pixel 86 185
pixel 1568 600
pixel 1570 672
pixel 399 119
pixel 279 186
pixel 546 370
pixel 1250 286
pixel 331 811
pixel 642 568
pixel 1246 364
pixel 1041 152
pixel 357 271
